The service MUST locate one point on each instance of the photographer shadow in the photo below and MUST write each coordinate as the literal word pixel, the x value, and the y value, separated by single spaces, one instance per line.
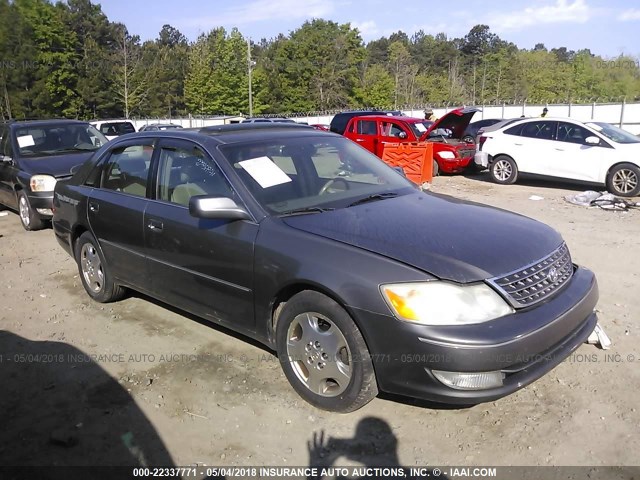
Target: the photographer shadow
pixel 374 445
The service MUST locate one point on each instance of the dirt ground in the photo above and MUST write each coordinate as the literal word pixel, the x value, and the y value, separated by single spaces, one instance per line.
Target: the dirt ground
pixel 137 382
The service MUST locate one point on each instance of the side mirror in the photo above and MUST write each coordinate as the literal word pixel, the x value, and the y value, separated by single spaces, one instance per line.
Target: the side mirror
pixel 592 140
pixel 206 206
pixel 402 135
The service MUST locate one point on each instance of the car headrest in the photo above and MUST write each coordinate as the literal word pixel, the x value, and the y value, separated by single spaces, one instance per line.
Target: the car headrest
pixel 132 165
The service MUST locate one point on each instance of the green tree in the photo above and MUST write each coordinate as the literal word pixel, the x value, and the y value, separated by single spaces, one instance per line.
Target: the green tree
pixel 95 45
pixel 376 88
pixel 131 75
pixel 49 76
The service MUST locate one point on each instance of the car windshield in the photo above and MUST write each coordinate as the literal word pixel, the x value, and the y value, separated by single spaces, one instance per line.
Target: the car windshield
pixel 48 140
pixel 614 133
pixel 419 128
pixel 309 174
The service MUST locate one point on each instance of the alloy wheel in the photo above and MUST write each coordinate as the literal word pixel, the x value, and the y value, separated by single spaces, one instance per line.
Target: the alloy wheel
pixel 625 180
pixel 503 170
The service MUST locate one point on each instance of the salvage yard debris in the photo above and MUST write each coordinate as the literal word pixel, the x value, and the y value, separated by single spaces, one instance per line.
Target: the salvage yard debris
pixel 606 201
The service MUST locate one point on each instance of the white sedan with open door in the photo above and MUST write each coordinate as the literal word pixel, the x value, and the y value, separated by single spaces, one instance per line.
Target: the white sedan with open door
pixel 593 152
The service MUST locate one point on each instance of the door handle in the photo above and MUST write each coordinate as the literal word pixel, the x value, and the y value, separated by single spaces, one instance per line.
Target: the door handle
pixel 518 144
pixel 94 207
pixel 155 225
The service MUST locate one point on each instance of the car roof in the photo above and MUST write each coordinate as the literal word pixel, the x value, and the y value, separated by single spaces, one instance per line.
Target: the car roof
pixel 507 122
pixel 53 121
pixel 113 120
pixel 233 133
pixel 394 117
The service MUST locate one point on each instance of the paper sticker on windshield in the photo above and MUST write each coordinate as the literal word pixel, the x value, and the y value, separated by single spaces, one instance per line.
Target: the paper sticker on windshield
pixel 26 141
pixel 264 171
pixel 421 128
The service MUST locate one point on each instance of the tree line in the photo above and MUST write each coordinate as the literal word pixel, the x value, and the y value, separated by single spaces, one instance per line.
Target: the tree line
pixel 69 60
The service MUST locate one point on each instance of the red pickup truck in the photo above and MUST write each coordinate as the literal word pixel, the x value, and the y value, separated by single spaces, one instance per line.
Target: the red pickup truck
pixel 450 153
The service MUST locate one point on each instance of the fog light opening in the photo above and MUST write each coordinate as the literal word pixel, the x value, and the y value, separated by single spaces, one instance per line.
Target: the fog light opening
pixel 44 211
pixel 470 380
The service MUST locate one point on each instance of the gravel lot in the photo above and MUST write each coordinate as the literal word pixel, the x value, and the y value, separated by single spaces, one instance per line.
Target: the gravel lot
pixel 136 381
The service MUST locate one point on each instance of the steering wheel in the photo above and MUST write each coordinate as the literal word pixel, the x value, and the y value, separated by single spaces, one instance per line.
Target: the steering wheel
pixel 326 186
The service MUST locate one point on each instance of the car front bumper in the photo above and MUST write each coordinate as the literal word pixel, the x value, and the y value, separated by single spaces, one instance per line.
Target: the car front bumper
pixel 42 202
pixel 523 346
pixel 481 159
pixel 453 165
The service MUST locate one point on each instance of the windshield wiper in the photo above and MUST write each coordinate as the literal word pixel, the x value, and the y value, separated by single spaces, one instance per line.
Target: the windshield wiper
pixel 77 149
pixel 373 198
pixel 305 210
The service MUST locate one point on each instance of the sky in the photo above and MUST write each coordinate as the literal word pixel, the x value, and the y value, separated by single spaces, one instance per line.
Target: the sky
pixel 606 27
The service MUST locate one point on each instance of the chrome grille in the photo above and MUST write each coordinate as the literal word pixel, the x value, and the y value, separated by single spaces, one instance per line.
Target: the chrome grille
pixel 537 281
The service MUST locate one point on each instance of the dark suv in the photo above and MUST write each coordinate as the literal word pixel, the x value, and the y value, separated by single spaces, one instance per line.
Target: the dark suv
pixel 340 120
pixel 34 155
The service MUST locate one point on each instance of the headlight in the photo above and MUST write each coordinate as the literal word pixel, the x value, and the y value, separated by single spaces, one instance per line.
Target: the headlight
pixel 442 303
pixel 446 154
pixel 43 183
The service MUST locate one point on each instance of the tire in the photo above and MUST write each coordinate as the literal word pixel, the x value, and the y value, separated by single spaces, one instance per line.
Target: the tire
pixel 94 272
pixel 503 170
pixel 29 218
pixel 624 180
pixel 323 354
pixel 436 169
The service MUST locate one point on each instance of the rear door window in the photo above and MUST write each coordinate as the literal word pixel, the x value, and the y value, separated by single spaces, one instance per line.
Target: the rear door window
pixel 541 130
pixel 367 127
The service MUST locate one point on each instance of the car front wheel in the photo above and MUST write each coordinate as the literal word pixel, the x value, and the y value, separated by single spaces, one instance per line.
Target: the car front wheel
pixel 28 216
pixel 624 180
pixel 94 272
pixel 503 170
pixel 323 354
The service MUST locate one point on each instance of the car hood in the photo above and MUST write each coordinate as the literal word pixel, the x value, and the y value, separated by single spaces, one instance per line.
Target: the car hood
pixel 56 165
pixel 443 236
pixel 456 121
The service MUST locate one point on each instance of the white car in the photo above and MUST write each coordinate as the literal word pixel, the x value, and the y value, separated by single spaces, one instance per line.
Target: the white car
pixel 592 152
pixel 113 128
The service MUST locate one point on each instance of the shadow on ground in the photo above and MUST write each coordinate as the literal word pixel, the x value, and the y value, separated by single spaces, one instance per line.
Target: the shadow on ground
pixel 58 407
pixel 374 445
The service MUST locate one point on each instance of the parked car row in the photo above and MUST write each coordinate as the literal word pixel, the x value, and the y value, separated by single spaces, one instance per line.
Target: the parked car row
pixel 359 280
pixel 450 153
pixel 114 128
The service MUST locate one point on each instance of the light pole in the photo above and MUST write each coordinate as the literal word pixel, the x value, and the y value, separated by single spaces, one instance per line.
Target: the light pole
pixel 250 65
